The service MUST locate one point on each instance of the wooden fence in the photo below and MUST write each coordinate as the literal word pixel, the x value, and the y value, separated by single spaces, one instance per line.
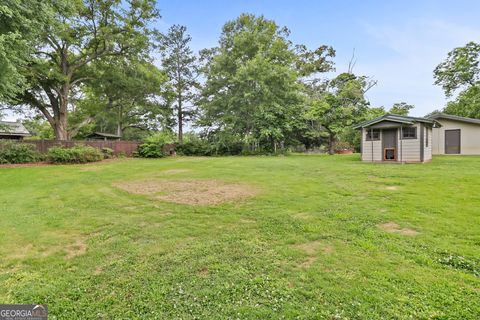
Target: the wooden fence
pixel 118 146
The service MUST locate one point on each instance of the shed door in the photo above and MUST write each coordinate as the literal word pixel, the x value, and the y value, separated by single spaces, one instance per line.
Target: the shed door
pixel 389 138
pixel 452 141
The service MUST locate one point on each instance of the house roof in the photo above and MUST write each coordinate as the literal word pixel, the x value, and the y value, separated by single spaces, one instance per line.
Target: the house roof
pixel 8 128
pixel 103 134
pixel 439 115
pixel 394 118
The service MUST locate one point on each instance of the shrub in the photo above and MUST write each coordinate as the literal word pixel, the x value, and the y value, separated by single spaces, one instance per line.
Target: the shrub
pixel 151 150
pixel 107 153
pixel 342 146
pixel 14 152
pixel 76 154
pixel 195 147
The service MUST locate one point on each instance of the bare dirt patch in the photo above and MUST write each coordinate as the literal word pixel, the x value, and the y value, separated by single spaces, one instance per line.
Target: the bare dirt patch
pixel 311 249
pixel 308 262
pixel 392 227
pixel 392 188
pixel 25 165
pixel 192 192
pixel 175 171
pixel 76 249
pixel 204 272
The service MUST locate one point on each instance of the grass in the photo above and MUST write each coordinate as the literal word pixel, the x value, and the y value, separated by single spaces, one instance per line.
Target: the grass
pixel 308 246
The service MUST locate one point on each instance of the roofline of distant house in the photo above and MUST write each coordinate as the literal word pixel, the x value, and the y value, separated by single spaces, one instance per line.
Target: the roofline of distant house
pixel 440 115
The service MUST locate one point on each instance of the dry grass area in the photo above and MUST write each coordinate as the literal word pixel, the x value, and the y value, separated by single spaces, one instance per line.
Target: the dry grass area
pixel 392 227
pixel 312 248
pixel 392 188
pixel 191 192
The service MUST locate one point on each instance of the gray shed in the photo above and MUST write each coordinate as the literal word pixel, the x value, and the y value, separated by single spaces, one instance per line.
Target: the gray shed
pixel 397 139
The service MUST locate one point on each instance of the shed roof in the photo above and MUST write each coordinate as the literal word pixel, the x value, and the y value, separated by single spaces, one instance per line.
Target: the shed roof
pixel 103 134
pixel 439 115
pixel 394 118
pixel 10 128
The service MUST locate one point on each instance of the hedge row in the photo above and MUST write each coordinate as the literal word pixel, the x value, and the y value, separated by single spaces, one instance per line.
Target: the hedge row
pixel 12 152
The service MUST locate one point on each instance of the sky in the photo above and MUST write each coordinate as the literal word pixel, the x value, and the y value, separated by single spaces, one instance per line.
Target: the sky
pixel 398 43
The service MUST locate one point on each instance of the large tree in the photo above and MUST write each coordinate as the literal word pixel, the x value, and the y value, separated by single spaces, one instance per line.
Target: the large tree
pixel 337 104
pixel 180 64
pixel 81 33
pixel 20 27
pixel 460 72
pixel 126 94
pixel 252 89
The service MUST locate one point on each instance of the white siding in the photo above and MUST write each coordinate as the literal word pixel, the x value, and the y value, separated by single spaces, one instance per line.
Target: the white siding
pixel 409 149
pixel 428 149
pixel 469 136
pixel 368 146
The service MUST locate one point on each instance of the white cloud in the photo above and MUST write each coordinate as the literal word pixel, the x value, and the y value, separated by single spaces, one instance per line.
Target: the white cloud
pixel 409 54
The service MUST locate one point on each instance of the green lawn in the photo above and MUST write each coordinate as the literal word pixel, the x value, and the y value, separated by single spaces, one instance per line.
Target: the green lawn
pixel 307 246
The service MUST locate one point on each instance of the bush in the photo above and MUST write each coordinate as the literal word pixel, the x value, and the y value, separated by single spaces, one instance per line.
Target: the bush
pixel 151 150
pixel 342 146
pixel 76 154
pixel 107 153
pixel 196 147
pixel 14 152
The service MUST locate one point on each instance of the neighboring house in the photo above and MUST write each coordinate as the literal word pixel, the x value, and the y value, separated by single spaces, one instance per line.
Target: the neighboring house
pixel 393 138
pixel 456 135
pixel 103 136
pixel 13 130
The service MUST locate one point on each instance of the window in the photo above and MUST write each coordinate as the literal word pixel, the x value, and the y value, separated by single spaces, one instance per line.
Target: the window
pixel 409 133
pixel 373 135
pixel 426 137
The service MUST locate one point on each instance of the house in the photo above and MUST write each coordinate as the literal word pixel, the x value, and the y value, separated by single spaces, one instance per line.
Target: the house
pixel 396 139
pixel 103 136
pixel 456 135
pixel 13 130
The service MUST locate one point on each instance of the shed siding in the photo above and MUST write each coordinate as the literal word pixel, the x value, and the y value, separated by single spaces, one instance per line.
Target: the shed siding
pixel 409 149
pixel 367 148
pixel 428 150
pixel 469 136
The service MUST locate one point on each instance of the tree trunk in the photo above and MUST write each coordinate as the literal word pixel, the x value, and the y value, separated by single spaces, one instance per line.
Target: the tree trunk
pixel 61 115
pixel 180 120
pixel 119 122
pixel 331 143
pixel 61 132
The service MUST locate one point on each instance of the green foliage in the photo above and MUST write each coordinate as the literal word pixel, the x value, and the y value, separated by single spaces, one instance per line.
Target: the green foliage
pixel 76 154
pixel 151 150
pixel 125 96
pixel 17 152
pixel 39 128
pixel 162 137
pixel 467 103
pixel 338 104
pixel 460 69
pixel 20 28
pixel 154 144
pixel 198 147
pixel 252 90
pixel 80 34
pixel 107 153
pixel 180 64
pixel 401 108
